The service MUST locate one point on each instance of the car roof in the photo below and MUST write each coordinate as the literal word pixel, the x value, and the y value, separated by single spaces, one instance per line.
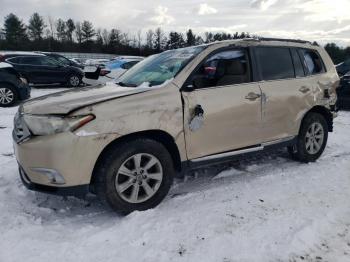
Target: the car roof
pixel 17 53
pixel 264 41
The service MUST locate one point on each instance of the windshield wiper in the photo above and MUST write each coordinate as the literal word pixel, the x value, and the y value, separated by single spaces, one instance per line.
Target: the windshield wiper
pixel 125 84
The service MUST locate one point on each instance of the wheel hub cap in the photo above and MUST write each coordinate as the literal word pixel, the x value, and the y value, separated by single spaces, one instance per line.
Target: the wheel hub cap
pixel 6 96
pixel 314 138
pixel 74 80
pixel 139 178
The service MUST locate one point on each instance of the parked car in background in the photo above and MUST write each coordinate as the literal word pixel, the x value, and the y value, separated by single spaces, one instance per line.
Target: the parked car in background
pixel 79 61
pixel 40 69
pixel 111 71
pixel 128 57
pixel 176 111
pixel 343 67
pixel 13 87
pixel 97 62
pixel 343 92
pixel 63 60
pixel 116 68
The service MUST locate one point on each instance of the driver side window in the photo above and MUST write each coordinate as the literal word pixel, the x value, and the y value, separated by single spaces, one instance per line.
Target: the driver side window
pixel 229 67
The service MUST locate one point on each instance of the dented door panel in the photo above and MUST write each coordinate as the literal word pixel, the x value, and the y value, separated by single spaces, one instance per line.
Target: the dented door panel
pixel 230 119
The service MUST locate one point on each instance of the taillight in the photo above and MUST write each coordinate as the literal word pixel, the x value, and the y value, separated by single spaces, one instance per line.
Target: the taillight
pixel 104 72
pixel 2 58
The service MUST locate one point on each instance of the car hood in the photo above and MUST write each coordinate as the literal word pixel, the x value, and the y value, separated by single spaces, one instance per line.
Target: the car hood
pixel 67 101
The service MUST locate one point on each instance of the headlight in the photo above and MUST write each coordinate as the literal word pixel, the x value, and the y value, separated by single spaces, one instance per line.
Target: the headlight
pixel 49 125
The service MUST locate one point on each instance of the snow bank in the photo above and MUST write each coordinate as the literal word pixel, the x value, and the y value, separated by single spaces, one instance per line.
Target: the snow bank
pixel 266 208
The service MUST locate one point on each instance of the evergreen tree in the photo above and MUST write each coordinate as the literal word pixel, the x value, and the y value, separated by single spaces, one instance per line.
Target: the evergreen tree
pixel 36 27
pixel 191 38
pixel 15 31
pixel 175 40
pixel 87 31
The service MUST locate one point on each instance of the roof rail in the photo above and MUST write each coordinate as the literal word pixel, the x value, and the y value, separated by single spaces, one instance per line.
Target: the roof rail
pixel 283 40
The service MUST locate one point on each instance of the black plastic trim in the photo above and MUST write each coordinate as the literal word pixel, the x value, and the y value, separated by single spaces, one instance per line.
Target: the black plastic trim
pixel 77 191
pixel 189 165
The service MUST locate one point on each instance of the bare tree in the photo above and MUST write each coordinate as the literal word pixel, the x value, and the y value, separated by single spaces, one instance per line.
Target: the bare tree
pixel 105 37
pixel 149 39
pixel 139 39
pixel 52 26
pixel 78 32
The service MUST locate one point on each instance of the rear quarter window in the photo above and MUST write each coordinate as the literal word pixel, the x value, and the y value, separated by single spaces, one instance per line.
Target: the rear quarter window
pixel 274 63
pixel 312 62
pixel 15 60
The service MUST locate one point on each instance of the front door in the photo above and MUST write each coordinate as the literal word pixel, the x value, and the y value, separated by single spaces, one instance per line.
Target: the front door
pixel 223 111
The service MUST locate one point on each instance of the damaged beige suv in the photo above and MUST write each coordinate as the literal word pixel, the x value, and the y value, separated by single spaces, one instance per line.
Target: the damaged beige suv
pixel 177 111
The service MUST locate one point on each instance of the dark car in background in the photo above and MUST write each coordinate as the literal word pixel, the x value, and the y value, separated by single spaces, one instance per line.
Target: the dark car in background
pixel 343 67
pixel 343 92
pixel 64 60
pixel 13 87
pixel 40 69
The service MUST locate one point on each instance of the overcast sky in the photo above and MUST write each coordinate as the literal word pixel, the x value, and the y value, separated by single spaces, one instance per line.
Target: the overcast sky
pixel 320 20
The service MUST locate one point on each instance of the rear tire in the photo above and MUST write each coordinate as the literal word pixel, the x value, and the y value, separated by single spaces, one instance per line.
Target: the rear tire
pixel 312 139
pixel 8 95
pixel 128 186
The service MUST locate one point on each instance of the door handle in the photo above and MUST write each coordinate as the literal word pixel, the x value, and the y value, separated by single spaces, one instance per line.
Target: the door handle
pixel 252 96
pixel 304 89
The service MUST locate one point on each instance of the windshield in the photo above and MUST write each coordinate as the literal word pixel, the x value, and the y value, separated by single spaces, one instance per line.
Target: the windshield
pixel 157 69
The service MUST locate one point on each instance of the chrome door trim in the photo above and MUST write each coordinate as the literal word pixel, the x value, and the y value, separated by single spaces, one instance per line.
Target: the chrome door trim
pixel 243 151
pixel 228 154
pixel 277 141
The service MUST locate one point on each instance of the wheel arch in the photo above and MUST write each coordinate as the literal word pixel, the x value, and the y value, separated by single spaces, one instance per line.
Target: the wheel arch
pixel 158 135
pixel 11 85
pixel 326 113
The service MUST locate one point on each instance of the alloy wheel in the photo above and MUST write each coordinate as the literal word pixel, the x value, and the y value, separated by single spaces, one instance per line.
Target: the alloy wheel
pixel 6 96
pixel 314 138
pixel 74 81
pixel 139 178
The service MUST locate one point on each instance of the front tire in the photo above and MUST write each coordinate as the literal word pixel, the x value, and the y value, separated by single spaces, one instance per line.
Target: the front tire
pixel 312 139
pixel 74 81
pixel 8 95
pixel 134 176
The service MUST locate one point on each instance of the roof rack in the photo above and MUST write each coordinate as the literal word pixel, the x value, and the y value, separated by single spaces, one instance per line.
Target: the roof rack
pixel 283 40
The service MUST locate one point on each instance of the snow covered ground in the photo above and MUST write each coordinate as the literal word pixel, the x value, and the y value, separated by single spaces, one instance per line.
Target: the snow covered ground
pixel 266 208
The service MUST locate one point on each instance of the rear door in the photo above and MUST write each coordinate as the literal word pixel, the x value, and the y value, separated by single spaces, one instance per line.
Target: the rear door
pixel 286 91
pixel 31 69
pixel 53 71
pixel 223 111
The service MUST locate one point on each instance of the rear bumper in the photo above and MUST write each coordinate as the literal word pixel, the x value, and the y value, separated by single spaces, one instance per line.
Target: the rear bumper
pixel 78 191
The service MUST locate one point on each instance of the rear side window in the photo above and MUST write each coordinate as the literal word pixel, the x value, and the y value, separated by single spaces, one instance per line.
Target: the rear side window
pixel 30 60
pixel 298 65
pixel 312 62
pixel 275 63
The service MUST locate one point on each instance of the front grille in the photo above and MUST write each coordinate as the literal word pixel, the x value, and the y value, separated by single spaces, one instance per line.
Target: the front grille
pixel 20 129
